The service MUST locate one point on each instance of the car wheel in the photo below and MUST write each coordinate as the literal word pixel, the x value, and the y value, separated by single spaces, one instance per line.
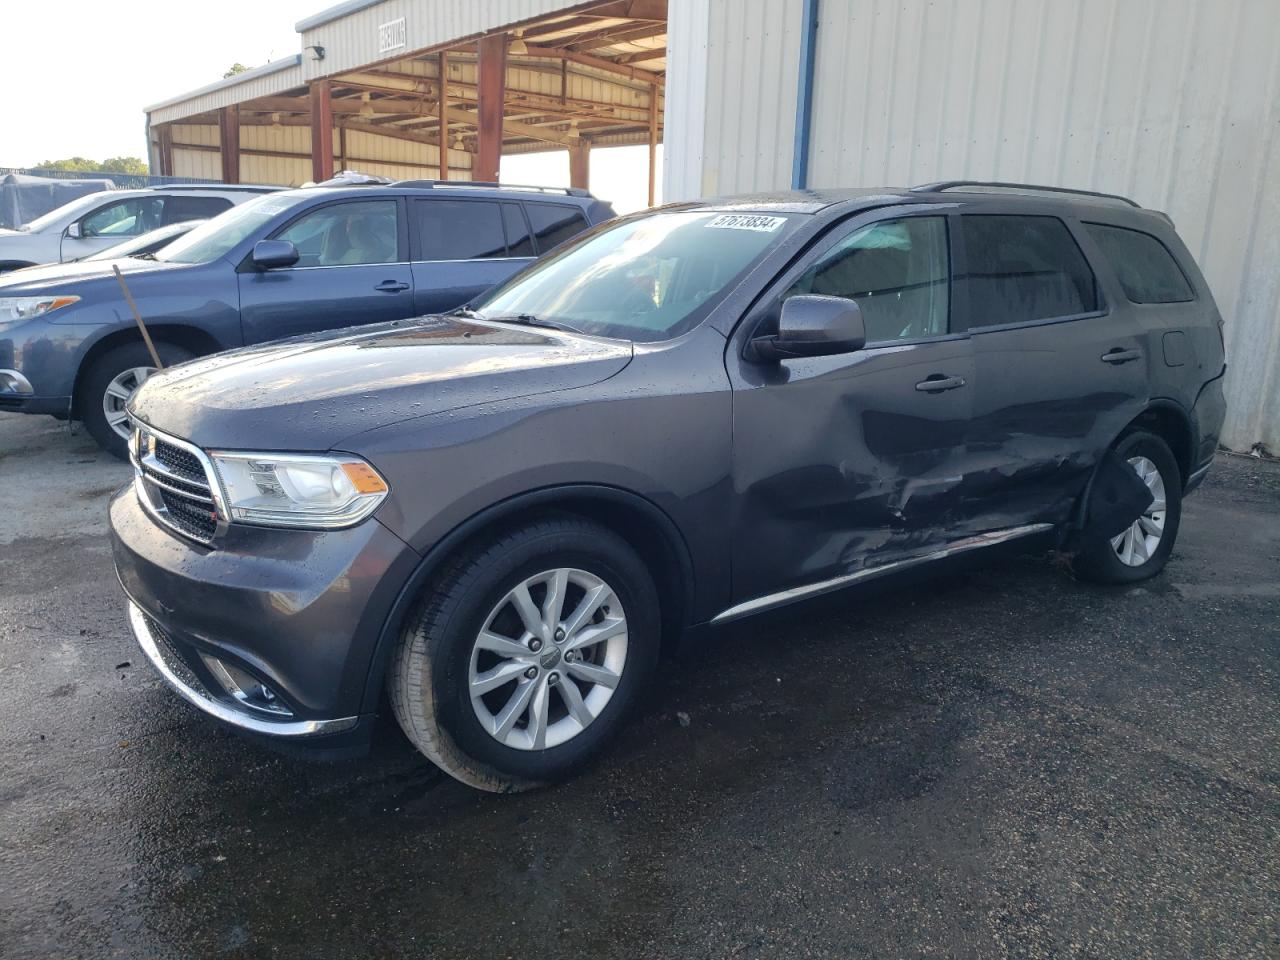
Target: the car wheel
pixel 527 655
pixel 1142 550
pixel 109 385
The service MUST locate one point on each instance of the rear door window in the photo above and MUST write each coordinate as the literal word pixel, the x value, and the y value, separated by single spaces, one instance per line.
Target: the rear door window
pixel 124 218
pixel 554 223
pixel 1021 269
pixel 459 230
pixel 1144 266
pixel 180 208
pixel 897 271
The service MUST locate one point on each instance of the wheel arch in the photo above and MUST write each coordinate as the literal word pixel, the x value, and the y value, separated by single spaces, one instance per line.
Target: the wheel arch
pixel 197 341
pixel 642 523
pixel 1171 423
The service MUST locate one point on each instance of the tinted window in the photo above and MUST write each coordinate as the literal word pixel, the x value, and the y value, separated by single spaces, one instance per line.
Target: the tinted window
pixel 345 233
pixel 459 230
pixel 125 218
pixel 554 223
pixel 177 209
pixel 217 237
pixel 1024 268
pixel 1143 265
pixel 519 240
pixel 896 271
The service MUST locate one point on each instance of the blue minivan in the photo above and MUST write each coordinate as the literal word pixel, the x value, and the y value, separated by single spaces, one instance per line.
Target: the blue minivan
pixel 280 265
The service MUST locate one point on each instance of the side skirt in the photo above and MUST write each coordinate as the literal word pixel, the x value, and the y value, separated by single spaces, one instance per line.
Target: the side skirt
pixel 964 545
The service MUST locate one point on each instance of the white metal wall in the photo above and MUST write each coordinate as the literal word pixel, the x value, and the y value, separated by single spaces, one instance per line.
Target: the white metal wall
pixel 1173 102
pixel 732 67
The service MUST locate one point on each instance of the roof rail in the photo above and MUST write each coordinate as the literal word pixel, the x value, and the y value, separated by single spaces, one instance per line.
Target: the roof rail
pixel 493 185
pixel 249 187
pixel 944 185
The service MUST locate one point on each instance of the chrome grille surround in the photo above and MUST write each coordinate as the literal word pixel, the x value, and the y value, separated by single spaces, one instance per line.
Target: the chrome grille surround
pixel 176 483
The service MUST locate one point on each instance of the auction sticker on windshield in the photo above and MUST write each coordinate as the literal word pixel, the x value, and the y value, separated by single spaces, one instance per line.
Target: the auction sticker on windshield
pixel 747 221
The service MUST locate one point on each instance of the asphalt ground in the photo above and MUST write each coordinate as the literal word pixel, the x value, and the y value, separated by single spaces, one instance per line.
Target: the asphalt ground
pixel 994 761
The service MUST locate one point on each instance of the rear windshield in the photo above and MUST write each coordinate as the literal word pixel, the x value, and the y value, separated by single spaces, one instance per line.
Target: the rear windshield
pixel 217 237
pixel 646 278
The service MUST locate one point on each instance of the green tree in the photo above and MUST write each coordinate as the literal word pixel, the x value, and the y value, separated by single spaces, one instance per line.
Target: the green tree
pixel 236 67
pixel 74 163
pixel 85 165
pixel 123 165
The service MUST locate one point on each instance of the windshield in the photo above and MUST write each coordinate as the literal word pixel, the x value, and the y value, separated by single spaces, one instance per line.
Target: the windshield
pixel 215 238
pixel 645 279
pixel 67 210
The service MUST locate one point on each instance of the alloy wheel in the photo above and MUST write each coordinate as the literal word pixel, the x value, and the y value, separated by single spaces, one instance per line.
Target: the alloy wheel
pixel 548 659
pixel 116 397
pixel 1139 543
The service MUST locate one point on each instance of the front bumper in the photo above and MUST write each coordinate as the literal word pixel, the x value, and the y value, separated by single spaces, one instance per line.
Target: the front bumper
pixel 300 611
pixel 17 395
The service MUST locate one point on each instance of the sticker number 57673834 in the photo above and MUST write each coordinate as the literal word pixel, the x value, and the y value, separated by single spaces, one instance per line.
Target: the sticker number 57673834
pixel 747 221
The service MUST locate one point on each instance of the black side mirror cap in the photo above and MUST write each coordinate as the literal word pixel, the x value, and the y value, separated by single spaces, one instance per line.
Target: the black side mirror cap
pixel 272 254
pixel 813 326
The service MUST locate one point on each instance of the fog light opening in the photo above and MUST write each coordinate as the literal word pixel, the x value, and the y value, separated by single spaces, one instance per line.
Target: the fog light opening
pixel 248 690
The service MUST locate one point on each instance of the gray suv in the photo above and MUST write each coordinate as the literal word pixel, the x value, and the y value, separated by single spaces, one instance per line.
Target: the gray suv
pixel 490 520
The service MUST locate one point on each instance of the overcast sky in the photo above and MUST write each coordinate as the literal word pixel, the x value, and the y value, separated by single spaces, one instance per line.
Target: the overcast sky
pixel 75 75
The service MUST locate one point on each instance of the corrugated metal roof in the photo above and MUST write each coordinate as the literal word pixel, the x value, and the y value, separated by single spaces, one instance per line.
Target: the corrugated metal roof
pixel 241 86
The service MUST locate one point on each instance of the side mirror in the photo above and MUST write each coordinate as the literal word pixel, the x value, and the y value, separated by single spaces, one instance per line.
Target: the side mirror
pixel 270 254
pixel 813 326
pixel 74 231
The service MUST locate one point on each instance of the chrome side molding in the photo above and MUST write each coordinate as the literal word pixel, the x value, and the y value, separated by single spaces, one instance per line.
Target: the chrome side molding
pixel 976 542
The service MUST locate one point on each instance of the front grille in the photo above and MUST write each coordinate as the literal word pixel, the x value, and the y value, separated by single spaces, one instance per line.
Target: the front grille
pixel 175 485
pixel 180 463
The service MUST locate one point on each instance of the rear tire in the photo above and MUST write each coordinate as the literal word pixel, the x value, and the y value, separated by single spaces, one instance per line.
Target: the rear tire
pixel 108 385
pixel 1141 551
pixel 492 615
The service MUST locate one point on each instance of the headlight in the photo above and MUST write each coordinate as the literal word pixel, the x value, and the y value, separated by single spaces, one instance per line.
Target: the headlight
pixel 16 309
pixel 292 490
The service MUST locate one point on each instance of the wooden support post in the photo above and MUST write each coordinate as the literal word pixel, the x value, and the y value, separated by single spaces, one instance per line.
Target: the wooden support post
pixel 580 165
pixel 229 142
pixel 165 132
pixel 653 144
pixel 493 77
pixel 444 115
pixel 321 131
pixel 342 146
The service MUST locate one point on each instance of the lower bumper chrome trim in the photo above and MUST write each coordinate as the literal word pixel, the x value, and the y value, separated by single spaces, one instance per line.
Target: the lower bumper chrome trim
pixel 976 542
pixel 227 714
pixel 1197 476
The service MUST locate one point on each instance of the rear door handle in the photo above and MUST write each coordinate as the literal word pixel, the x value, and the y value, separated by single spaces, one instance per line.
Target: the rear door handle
pixel 1118 355
pixel 937 382
pixel 391 286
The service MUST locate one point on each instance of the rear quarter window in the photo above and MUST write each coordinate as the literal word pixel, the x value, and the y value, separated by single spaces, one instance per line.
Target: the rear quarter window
pixel 554 223
pixel 1146 269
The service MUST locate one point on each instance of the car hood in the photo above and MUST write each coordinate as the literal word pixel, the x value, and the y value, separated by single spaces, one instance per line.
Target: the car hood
pixel 52 276
pixel 309 393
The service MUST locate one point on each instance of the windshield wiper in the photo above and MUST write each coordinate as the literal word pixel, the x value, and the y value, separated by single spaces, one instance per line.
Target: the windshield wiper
pixel 144 256
pixel 531 320
pixel 465 311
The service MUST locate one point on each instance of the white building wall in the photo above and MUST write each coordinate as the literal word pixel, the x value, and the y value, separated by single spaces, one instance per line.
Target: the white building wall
pixel 1175 103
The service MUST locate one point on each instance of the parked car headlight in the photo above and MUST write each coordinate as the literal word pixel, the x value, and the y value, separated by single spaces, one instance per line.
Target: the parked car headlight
pixel 16 309
pixel 292 490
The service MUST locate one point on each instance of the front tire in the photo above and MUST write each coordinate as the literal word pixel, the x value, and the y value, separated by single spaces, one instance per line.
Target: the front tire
pixel 109 385
pixel 1141 551
pixel 528 655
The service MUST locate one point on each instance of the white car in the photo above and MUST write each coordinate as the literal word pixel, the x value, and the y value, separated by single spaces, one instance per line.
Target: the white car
pixel 100 220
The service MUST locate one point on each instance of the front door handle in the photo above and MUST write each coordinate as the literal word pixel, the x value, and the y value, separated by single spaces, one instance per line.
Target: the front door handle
pixel 1120 355
pixel 937 382
pixel 391 286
